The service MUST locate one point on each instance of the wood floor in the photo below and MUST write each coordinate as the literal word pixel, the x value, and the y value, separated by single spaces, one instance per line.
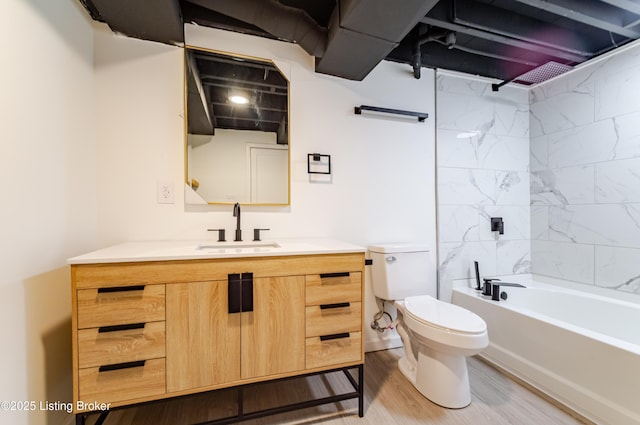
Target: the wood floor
pixel 389 400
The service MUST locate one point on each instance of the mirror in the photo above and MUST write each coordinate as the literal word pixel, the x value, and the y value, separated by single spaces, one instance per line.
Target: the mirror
pixel 237 123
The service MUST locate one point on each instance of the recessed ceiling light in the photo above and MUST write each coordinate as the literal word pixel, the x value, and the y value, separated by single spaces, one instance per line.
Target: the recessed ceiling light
pixel 239 100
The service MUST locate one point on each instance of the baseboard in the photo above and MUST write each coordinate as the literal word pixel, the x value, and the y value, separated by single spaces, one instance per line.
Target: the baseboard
pixel 575 399
pixel 377 344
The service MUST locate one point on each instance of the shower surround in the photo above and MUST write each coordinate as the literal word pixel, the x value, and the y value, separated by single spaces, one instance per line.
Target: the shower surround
pixel 585 174
pixel 560 163
pixel 483 172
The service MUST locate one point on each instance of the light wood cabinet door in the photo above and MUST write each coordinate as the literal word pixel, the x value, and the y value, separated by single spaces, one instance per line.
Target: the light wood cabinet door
pixel 203 339
pixel 273 334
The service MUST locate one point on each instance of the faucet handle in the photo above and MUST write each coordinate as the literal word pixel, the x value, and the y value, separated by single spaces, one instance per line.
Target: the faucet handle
pixel 487 285
pixel 221 237
pixel 256 234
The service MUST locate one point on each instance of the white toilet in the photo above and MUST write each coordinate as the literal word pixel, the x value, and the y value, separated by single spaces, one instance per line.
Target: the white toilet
pixel 437 336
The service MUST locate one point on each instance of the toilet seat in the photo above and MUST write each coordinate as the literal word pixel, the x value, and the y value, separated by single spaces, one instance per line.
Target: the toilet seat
pixel 438 314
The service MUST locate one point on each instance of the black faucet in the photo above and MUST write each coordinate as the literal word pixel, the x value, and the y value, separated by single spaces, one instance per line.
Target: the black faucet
pixel 490 288
pixel 236 213
pixel 487 286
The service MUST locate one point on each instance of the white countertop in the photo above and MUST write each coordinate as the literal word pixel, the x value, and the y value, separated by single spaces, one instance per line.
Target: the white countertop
pixel 203 249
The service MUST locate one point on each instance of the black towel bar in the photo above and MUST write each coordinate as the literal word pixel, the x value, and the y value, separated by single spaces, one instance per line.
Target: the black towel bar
pixel 420 115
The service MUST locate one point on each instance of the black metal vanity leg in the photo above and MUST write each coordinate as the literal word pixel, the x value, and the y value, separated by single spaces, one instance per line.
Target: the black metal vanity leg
pixel 240 403
pixel 80 418
pixel 102 417
pixel 361 390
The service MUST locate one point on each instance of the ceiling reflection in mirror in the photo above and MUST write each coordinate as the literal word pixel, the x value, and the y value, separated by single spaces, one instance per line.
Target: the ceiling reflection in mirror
pixel 237 130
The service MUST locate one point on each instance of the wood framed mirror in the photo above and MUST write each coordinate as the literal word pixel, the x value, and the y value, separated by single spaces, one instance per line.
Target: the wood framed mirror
pixel 237 130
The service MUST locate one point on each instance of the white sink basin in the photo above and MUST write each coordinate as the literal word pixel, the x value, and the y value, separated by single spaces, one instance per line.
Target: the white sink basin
pixel 237 245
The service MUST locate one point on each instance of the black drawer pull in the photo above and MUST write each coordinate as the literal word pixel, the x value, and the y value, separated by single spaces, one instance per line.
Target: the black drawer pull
pixel 334 336
pixel 118 366
pixel 336 305
pixel 339 274
pixel 116 328
pixel 121 289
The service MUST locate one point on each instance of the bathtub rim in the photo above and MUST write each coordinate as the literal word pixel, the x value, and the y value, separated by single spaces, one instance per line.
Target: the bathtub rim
pixel 585 400
pixel 528 281
pixel 580 287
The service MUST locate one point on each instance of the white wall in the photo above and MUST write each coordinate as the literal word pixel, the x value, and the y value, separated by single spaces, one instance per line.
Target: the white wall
pixel 383 182
pixel 48 182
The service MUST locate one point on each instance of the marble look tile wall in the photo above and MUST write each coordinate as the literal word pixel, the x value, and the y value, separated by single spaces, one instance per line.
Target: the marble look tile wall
pixel 483 172
pixel 585 174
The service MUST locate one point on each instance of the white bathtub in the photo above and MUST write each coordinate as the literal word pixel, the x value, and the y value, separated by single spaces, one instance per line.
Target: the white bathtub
pixel 581 349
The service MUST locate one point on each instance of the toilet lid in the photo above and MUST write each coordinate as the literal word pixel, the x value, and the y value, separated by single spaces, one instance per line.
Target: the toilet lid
pixel 433 312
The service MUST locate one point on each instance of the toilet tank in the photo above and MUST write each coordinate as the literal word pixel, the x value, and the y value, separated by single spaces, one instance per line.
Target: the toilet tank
pixel 400 271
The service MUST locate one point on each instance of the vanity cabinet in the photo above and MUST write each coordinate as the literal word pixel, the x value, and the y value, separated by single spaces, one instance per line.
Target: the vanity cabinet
pixel 208 345
pixel 148 330
pixel 203 340
pixel 333 316
pixel 120 342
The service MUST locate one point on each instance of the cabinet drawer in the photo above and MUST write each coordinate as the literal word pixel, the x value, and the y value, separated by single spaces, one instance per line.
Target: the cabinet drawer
pixel 333 318
pixel 112 386
pixel 120 305
pixel 120 344
pixel 333 351
pixel 333 288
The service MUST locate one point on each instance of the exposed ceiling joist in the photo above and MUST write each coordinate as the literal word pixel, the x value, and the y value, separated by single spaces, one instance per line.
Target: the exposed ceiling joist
pixel 629 5
pixel 495 20
pixel 593 13
pixel 508 41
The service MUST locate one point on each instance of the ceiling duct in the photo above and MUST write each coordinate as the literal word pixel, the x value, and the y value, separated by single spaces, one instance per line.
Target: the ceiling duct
pixel 363 32
pixel 133 18
pixel 281 21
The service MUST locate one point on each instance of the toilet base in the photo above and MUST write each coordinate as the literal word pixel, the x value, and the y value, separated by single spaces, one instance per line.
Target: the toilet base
pixel 441 377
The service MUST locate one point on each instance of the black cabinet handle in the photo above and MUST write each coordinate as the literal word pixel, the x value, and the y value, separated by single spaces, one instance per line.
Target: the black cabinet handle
pixel 233 293
pixel 240 293
pixel 247 291
pixel 121 289
pixel 339 274
pixel 118 366
pixel 115 328
pixel 334 336
pixel 336 305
